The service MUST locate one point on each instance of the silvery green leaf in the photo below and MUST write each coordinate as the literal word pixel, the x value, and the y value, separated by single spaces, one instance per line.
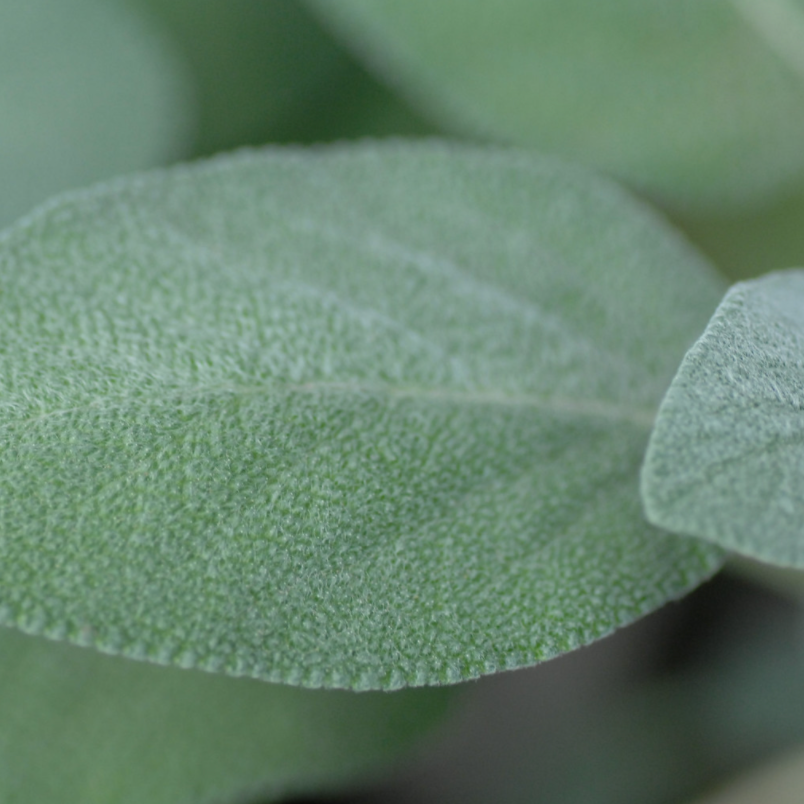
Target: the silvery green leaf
pixel 698 103
pixel 364 417
pixel 87 90
pixel 78 726
pixel 725 461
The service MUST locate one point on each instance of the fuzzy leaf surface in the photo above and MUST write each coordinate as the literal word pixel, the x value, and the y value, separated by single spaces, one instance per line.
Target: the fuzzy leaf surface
pixel 726 461
pixel 360 417
pixel 79 726
pixel 700 104
pixel 87 90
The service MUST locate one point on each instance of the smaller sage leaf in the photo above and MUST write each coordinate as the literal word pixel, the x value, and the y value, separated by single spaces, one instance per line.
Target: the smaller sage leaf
pixel 78 726
pixel 726 457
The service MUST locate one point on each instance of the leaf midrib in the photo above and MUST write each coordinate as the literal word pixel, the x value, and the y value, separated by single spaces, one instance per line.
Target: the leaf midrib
pixel 585 408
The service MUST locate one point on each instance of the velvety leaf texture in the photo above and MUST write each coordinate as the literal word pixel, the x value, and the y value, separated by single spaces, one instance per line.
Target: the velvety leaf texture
pixel 77 726
pixel 726 461
pixel 699 103
pixel 362 417
pixel 87 90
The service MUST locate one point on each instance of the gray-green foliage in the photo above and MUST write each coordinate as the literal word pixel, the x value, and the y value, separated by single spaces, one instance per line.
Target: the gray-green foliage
pixel 725 460
pixel 81 727
pixel 698 103
pixel 87 90
pixel 361 417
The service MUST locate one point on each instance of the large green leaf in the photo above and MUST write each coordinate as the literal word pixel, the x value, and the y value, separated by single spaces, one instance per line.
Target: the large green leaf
pixel 363 417
pixel 726 461
pixel 77 726
pixel 87 90
pixel 700 103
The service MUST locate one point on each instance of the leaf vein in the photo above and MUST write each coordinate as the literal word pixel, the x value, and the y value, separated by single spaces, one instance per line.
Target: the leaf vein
pixel 585 408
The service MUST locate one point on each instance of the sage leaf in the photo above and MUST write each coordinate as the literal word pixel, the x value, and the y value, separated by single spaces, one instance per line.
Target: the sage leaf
pixel 698 104
pixel 79 726
pixel 362 417
pixel 87 90
pixel 725 461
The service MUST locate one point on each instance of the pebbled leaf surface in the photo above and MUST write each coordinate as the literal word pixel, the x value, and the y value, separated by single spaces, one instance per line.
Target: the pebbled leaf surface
pixel 360 417
pixel 699 103
pixel 726 460
pixel 87 90
pixel 78 726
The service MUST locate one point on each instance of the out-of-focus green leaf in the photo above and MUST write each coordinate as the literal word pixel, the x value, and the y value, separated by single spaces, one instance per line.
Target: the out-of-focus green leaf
pixel 780 782
pixel 266 71
pixel 77 726
pixel 578 731
pixel 755 242
pixel 362 417
pixel 87 90
pixel 667 740
pixel 726 461
pixel 698 103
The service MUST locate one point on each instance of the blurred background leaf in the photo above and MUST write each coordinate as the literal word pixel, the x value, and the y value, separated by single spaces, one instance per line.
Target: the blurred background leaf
pixel 78 726
pixel 681 701
pixel 699 104
pixel 88 89
pixel 691 103
pixel 777 782
pixel 268 72
pixel 745 245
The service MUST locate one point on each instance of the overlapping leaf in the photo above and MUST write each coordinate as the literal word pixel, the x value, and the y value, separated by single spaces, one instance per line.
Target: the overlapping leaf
pixel 364 417
pixel 726 461
pixel 82 727
pixel 701 104
pixel 87 90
